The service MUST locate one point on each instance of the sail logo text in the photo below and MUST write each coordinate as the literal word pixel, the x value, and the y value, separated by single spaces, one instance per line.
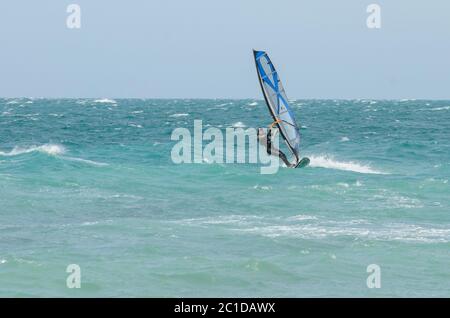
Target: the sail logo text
pixel 220 148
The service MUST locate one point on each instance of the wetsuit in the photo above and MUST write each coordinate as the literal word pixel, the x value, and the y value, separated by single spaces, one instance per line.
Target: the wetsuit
pixel 266 140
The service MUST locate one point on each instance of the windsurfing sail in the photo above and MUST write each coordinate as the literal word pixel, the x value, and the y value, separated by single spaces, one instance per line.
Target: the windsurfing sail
pixel 277 102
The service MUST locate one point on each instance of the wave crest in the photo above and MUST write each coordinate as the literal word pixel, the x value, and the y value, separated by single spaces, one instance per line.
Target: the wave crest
pixel 325 161
pixel 105 101
pixel 50 149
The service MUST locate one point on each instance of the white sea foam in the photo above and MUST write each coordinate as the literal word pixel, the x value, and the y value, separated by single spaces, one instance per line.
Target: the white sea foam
pixel 302 217
pixel 233 219
pixel 434 109
pixel 51 149
pixel 239 124
pixel 395 200
pixel 179 115
pixel 90 223
pixel 265 188
pixel 325 161
pixel 253 104
pixel 86 161
pixel 105 101
pixel 344 139
pixel 311 227
pixel 223 104
pixel 135 125
pixel 389 232
pixel 440 108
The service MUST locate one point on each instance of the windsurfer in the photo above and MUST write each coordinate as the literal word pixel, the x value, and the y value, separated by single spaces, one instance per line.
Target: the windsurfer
pixel 266 140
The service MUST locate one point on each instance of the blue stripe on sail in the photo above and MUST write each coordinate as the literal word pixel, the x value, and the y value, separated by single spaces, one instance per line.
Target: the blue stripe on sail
pixel 274 86
pixel 259 54
pixel 264 76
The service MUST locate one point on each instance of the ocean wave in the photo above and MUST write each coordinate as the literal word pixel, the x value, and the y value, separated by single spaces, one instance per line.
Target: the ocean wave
pixel 56 115
pixel 252 104
pixel 325 161
pixel 394 200
pixel 440 108
pixel 434 109
pixel 264 188
pixel 390 232
pixel 239 124
pixel 105 101
pixel 304 226
pixel 90 223
pixel 179 115
pixel 233 219
pixel 301 217
pixel 86 161
pixel 50 149
pixel 223 104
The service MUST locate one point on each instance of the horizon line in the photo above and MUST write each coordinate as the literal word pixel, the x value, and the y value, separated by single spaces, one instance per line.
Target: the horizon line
pixel 227 98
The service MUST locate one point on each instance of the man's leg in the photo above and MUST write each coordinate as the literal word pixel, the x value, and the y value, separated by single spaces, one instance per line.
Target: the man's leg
pixel 285 160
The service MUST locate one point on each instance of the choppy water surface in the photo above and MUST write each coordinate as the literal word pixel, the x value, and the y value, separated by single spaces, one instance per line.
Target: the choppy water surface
pixel 91 182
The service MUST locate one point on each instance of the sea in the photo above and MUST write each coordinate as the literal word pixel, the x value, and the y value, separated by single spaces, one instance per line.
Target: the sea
pixel 92 204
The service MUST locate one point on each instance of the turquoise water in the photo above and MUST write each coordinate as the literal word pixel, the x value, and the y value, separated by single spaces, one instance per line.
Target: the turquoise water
pixel 91 182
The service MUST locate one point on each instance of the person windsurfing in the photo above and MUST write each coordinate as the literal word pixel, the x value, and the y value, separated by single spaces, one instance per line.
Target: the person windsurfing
pixel 265 139
pixel 278 105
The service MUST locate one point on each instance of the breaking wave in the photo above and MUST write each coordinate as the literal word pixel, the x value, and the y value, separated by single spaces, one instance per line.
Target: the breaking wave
pixel 50 149
pixel 325 161
pixel 105 101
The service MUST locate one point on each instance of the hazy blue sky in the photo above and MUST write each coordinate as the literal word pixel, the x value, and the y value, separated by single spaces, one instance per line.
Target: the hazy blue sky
pixel 202 48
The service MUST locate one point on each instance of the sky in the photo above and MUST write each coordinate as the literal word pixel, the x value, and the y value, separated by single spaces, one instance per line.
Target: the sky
pixel 203 48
